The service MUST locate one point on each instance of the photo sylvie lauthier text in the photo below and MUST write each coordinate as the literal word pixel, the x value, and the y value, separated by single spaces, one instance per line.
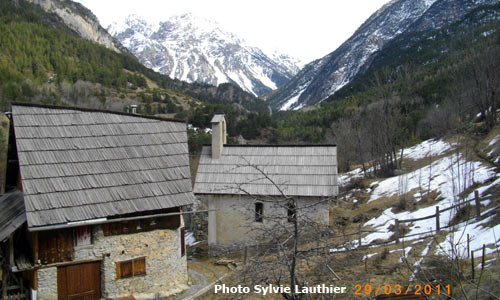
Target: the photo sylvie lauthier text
pixel 274 289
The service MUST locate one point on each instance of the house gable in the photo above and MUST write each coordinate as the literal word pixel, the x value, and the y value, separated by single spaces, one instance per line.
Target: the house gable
pixel 79 165
pixel 304 170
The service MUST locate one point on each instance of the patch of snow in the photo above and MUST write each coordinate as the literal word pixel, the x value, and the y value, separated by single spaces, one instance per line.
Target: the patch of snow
pixel 299 106
pixel 189 239
pixel 419 262
pixel 406 251
pixel 346 177
pixel 428 3
pixel 429 148
pixel 482 191
pixel 489 32
pixel 447 175
pixel 494 141
pixel 444 179
pixel 456 242
pixel 368 256
pixel 292 101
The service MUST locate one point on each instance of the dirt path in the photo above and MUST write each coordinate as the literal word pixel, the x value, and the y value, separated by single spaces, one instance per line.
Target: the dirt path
pixel 203 276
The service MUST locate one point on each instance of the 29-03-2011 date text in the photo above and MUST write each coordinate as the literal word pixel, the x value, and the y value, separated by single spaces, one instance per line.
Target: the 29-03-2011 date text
pixel 398 289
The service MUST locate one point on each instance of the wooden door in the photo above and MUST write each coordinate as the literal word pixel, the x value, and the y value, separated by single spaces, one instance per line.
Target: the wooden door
pixel 79 282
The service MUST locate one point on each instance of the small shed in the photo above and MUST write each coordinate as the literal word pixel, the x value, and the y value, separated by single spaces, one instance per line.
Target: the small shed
pixel 229 178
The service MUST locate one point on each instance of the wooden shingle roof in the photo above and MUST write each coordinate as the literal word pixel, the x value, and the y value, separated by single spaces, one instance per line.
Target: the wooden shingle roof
pixel 12 213
pixel 79 165
pixel 297 170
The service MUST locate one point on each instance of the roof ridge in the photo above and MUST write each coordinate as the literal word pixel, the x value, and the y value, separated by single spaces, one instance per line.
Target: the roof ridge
pixel 85 109
pixel 276 145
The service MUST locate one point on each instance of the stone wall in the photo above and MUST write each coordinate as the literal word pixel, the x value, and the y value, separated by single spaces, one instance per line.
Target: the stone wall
pixel 47 284
pixel 166 269
pixel 231 219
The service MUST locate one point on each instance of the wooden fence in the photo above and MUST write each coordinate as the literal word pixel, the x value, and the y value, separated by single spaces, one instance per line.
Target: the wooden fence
pixel 323 247
pixel 477 200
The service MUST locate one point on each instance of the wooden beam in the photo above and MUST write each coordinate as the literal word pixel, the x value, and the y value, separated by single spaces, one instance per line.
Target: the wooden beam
pixel 4 283
pixel 19 184
pixel 34 236
pixel 11 250
pixel 105 221
pixel 34 283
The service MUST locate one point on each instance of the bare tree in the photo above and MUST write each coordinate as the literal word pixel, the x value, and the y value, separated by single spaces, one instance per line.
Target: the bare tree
pixel 286 242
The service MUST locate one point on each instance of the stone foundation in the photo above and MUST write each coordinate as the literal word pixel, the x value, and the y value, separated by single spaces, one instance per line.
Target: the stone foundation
pixel 166 270
pixel 47 284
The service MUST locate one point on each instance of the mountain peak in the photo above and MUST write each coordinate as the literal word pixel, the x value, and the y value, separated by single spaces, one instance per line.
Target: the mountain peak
pixel 323 77
pixel 195 49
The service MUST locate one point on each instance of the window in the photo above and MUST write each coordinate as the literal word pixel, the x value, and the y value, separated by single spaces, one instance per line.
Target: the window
pixel 291 211
pixel 259 212
pixel 131 268
pixel 83 236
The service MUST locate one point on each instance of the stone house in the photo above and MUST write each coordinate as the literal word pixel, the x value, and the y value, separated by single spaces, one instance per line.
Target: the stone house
pixel 236 182
pixel 95 208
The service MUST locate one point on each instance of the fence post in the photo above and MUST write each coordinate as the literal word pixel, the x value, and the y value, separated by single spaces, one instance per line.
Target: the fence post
pixel 359 236
pixel 478 205
pixel 468 245
pixel 246 255
pixel 482 258
pixel 438 226
pixel 472 263
pixel 396 223
pixel 343 234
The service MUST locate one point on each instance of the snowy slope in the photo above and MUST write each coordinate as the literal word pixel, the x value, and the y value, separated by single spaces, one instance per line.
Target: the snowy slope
pixel 452 178
pixel 197 50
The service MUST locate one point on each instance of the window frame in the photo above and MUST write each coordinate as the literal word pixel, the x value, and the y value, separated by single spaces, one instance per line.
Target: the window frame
pixel 77 231
pixel 259 212
pixel 291 211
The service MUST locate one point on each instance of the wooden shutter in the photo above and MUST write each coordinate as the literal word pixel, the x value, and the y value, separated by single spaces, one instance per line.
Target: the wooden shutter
pixel 183 242
pixel 131 268
pixel 124 269
pixel 55 246
pixel 139 266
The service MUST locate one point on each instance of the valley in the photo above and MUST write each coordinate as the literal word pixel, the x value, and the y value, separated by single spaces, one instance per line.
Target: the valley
pixel 410 103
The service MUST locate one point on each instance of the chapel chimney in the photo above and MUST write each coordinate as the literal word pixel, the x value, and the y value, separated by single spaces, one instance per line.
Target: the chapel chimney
pixel 218 134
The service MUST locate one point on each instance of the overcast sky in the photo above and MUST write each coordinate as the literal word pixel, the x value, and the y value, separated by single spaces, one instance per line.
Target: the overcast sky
pixel 305 29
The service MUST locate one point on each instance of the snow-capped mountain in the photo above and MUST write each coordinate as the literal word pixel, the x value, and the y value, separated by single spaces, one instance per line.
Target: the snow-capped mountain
pixel 193 49
pixel 323 77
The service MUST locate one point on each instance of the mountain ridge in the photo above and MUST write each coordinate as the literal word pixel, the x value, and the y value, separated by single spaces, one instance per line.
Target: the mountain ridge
pixel 82 21
pixel 323 77
pixel 194 49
